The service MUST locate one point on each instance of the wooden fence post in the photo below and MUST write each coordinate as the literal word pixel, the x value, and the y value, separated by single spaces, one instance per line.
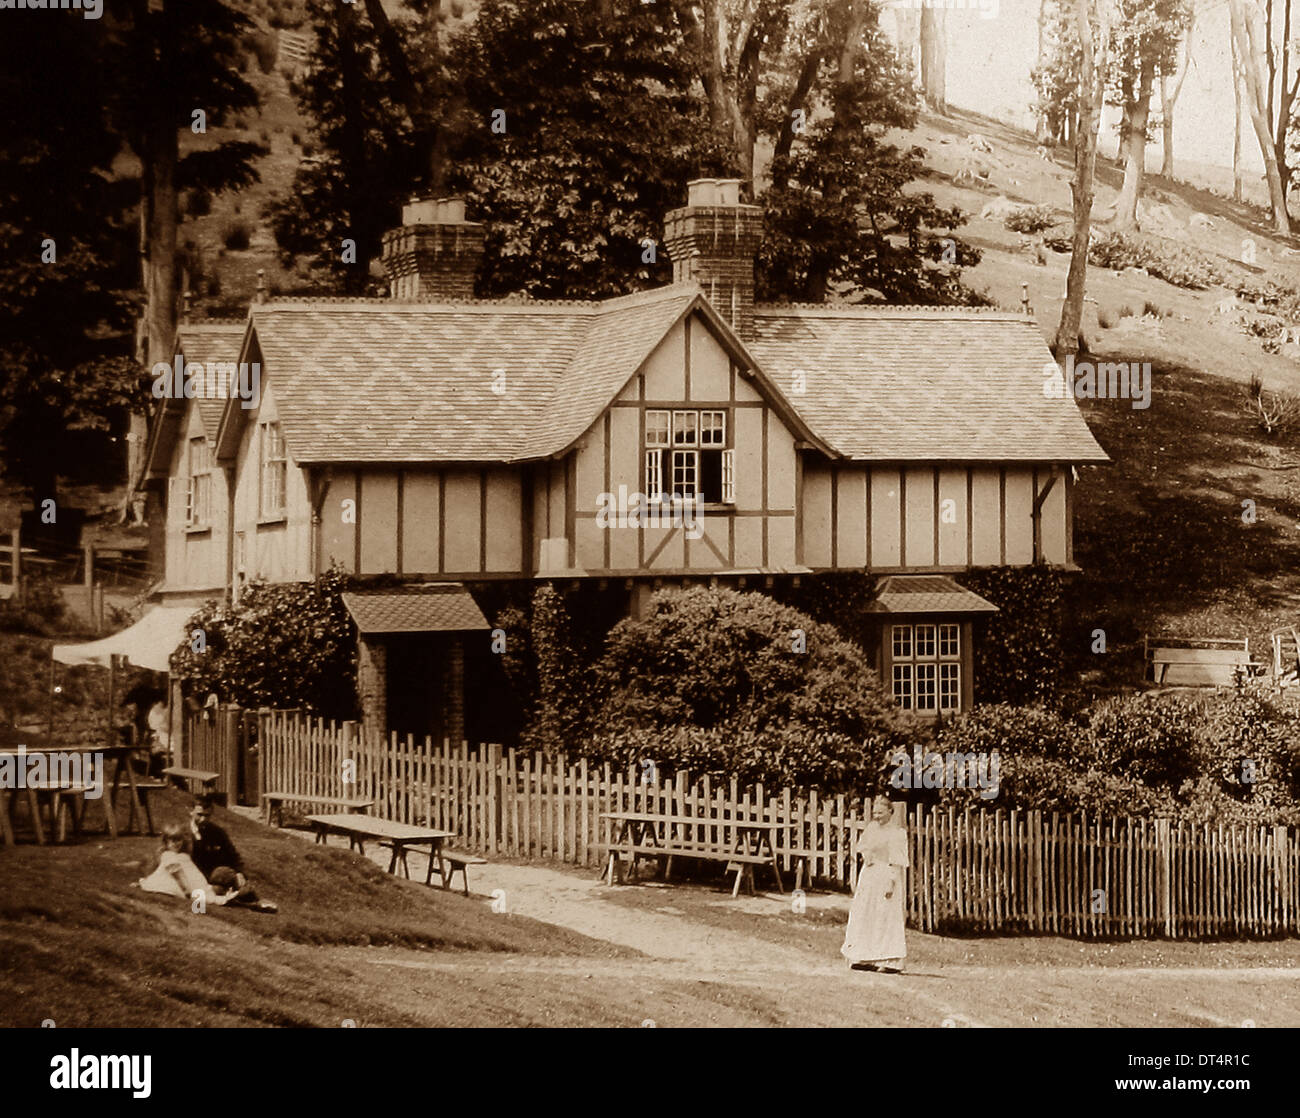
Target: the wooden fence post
pixel 1164 864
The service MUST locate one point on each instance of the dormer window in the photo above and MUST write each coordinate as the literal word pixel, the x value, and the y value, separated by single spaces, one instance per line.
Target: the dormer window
pixel 687 457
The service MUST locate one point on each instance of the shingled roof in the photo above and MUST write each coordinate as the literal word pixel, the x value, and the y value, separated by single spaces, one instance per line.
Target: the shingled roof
pixel 414 382
pixel 211 344
pixel 908 383
pixel 386 381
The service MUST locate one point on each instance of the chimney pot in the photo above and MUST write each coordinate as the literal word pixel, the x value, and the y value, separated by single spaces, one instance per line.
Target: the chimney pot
pixel 713 241
pixel 436 252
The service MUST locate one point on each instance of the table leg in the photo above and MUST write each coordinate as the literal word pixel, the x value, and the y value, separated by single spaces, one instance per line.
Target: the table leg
pixel 392 862
pixel 35 808
pixel 135 793
pixel 6 824
pixel 435 854
pixel 776 864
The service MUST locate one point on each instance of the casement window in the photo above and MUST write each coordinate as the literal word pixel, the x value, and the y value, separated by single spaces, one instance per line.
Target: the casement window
pixel 274 469
pixel 687 457
pixel 198 497
pixel 927 667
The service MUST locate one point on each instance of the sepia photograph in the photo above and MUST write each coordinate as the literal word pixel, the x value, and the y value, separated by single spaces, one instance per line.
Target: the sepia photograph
pixel 592 514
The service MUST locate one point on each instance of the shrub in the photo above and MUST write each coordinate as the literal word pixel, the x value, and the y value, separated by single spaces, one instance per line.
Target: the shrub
pixel 1165 259
pixel 284 645
pixel 1030 219
pixel 237 236
pixel 40 610
pixel 1014 730
pixel 1151 738
pixel 746 680
pixel 1018 656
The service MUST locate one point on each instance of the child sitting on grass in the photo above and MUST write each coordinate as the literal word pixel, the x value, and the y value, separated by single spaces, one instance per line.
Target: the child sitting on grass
pixel 177 875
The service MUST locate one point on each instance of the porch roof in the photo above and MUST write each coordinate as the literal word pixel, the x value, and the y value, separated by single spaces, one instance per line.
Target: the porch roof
pixel 443 607
pixel 926 594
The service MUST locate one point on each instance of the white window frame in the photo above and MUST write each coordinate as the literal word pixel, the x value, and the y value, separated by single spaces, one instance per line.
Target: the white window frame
pixel 691 457
pixel 654 474
pixel 274 473
pixel 728 477
pixel 198 493
pixel 927 666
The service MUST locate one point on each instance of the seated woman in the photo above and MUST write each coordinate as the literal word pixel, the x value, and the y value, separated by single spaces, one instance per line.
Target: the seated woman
pixel 177 875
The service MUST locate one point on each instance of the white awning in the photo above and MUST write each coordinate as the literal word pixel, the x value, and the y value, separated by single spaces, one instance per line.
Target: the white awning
pixel 148 643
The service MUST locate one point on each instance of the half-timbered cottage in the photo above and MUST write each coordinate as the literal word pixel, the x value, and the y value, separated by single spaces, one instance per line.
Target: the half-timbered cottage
pixel 671 436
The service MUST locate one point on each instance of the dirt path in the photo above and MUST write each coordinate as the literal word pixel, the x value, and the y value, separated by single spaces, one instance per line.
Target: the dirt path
pixel 765 963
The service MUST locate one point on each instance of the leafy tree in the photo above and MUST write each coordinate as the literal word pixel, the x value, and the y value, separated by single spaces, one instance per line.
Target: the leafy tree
pixel 367 150
pixel 284 645
pixel 1144 45
pixel 66 260
pixel 575 186
pixel 839 214
pixel 171 59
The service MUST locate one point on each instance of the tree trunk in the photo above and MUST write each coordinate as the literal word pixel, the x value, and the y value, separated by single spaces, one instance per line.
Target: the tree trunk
pixel 159 155
pixel 934 48
pixel 1135 151
pixel 1081 186
pixel 1250 54
pixel 1041 130
pixel 1236 122
pixel 1169 100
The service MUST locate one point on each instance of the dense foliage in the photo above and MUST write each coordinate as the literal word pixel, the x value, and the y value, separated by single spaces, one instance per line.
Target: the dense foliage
pixel 723 682
pixel 1018 652
pixel 289 645
pixel 1217 757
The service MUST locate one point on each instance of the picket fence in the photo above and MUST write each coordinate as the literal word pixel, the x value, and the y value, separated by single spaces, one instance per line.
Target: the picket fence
pixel 974 870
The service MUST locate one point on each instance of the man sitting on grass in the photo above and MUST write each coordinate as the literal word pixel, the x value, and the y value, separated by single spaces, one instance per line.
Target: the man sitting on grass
pixel 218 860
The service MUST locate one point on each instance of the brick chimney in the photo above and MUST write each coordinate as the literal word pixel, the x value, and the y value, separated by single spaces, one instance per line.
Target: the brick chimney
pixel 435 253
pixel 713 240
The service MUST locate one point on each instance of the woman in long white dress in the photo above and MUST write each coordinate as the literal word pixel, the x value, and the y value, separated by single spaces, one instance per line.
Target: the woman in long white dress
pixel 874 938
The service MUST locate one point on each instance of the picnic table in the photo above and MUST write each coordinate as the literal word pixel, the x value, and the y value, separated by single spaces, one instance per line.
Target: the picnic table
pixel 398 836
pixel 56 790
pixel 648 833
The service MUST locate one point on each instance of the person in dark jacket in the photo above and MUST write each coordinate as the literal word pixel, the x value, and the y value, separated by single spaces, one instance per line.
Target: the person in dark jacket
pixel 218 860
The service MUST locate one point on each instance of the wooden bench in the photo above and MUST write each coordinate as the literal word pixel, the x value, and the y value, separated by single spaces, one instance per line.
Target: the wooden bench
pixel 185 777
pixel 1199 661
pixel 742 864
pixel 451 861
pixel 275 802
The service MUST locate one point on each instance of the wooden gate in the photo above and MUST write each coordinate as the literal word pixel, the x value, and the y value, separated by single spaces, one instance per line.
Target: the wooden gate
pixel 224 740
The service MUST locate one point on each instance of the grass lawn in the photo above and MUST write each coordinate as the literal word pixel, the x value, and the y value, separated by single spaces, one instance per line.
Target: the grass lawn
pixel 81 946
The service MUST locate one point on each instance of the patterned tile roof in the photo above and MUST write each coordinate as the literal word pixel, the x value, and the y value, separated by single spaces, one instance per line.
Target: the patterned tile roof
pixel 926 594
pixel 209 344
pixel 479 381
pixel 443 607
pixel 909 383
pixel 470 382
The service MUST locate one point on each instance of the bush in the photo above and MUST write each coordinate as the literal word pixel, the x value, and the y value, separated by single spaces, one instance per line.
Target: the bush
pixel 1151 738
pixel 284 645
pixel 1030 219
pixel 718 677
pixel 1014 730
pixel 1162 258
pixel 40 610
pixel 237 236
